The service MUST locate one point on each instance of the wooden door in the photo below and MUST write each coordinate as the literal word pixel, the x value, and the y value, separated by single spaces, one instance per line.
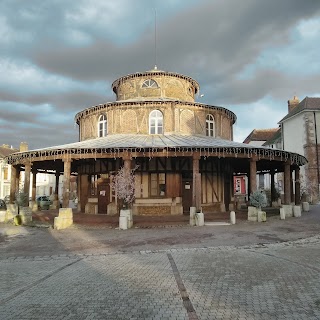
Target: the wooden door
pixel 186 196
pixel 103 196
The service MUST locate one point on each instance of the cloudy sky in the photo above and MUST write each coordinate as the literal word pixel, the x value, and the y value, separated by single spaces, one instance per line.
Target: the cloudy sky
pixel 59 57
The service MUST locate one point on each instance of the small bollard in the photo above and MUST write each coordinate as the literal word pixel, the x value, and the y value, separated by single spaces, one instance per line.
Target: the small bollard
pixel 282 214
pixel 232 217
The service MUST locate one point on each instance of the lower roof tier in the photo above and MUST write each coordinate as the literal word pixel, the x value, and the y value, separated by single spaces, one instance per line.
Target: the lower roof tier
pixel 155 145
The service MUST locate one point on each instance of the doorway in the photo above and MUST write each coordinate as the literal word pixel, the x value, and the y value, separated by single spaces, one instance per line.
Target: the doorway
pixel 186 195
pixel 103 196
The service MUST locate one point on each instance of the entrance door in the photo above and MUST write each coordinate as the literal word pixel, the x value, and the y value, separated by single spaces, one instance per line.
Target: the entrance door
pixel 103 196
pixel 186 196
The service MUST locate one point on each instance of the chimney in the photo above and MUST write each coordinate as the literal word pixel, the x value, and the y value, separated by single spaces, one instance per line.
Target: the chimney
pixel 23 147
pixel 293 103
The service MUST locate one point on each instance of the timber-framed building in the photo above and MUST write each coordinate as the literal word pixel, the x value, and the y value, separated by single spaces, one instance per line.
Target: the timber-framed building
pixel 184 151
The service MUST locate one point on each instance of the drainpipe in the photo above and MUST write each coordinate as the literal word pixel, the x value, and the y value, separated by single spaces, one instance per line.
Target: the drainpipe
pixel 317 155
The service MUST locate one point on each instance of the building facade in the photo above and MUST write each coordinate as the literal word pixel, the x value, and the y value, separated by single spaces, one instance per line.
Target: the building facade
pixel 183 150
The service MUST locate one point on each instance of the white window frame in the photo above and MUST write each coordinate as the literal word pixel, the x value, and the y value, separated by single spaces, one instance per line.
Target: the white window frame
pixel 155 122
pixel 102 126
pixel 210 125
pixel 149 83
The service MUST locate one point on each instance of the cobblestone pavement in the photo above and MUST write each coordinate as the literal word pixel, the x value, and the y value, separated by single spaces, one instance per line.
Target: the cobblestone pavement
pixel 225 274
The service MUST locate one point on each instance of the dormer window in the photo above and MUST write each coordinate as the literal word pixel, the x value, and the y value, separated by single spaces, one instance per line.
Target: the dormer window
pixel 155 122
pixel 149 83
pixel 102 126
pixel 210 126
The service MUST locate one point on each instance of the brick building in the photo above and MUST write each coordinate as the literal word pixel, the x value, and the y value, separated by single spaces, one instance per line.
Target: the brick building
pixel 184 150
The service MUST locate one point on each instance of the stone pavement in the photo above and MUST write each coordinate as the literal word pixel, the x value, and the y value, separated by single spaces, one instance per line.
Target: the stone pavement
pixel 246 271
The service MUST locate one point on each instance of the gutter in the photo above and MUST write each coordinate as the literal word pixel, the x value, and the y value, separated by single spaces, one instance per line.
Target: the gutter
pixel 317 155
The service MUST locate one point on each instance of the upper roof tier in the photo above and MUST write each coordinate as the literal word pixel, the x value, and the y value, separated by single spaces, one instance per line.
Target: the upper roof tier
pixel 155 84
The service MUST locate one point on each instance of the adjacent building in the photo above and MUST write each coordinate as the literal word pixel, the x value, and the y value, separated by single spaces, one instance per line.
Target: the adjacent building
pixel 301 133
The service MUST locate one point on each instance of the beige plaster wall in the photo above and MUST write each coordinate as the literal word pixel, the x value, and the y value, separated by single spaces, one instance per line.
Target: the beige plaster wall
pixel 168 87
pixel 179 118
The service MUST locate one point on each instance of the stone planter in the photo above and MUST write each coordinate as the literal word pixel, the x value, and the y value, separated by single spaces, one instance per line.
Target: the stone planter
pixel 64 220
pixel 252 213
pixel 262 216
pixel 125 219
pixel 25 214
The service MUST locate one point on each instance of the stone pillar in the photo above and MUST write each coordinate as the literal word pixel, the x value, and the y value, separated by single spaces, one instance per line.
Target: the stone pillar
pixel 66 182
pixel 297 186
pixel 196 183
pixel 287 183
pixel 253 175
pixel 26 186
pixel 13 184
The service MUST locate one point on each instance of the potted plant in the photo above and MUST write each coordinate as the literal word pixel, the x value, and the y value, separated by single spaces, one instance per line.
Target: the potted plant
pixel 258 200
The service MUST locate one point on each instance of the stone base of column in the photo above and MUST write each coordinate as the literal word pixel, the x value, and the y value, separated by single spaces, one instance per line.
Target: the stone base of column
pixel 296 211
pixel 305 206
pixel 64 220
pixel 12 211
pixel 33 206
pixel 282 214
pixel 288 210
pixel 3 216
pixel 192 217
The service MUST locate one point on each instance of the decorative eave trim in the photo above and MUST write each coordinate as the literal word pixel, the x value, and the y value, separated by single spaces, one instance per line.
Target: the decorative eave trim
pixel 116 83
pixel 100 107
pixel 96 153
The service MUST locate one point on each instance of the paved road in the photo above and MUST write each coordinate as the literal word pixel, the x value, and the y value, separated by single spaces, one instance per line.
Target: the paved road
pixel 246 271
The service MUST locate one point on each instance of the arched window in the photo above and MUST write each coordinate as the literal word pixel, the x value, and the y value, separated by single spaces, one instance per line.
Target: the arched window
pixel 155 122
pixel 210 127
pixel 102 126
pixel 149 83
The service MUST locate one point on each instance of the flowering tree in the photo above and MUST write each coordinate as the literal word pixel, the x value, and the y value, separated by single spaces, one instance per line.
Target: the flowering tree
pixel 123 184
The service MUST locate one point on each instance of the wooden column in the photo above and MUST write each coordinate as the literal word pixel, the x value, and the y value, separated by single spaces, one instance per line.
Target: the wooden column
pixel 272 188
pixel 66 182
pixel 56 187
pixel 196 182
pixel 287 183
pixel 253 175
pixel 13 184
pixel 34 185
pixel 297 186
pixel 26 186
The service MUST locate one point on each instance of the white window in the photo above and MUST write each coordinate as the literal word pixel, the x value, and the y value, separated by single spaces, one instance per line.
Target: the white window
pixel 102 126
pixel 155 122
pixel 210 127
pixel 149 83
